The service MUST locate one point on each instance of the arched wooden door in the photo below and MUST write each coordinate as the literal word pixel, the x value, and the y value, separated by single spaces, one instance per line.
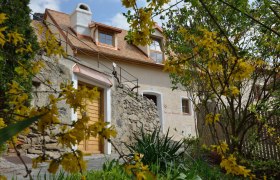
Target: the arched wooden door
pixel 94 110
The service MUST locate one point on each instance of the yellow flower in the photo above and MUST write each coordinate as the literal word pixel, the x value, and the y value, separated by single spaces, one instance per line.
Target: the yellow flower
pixel 53 167
pixel 36 161
pixel 234 90
pixel 128 3
pixel 2 177
pixel 212 118
pixel 3 17
pixel 221 149
pixel 230 165
pixel 15 38
pixel 73 162
pixel 2 36
pixel 2 123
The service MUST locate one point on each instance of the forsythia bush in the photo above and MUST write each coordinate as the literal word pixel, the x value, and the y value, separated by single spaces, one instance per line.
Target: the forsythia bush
pixel 18 108
pixel 229 161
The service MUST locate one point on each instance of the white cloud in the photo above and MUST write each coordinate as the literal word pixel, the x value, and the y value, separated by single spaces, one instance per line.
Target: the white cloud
pixel 41 5
pixel 119 21
pixel 166 6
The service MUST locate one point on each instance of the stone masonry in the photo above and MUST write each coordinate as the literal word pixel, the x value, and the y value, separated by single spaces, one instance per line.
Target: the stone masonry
pixel 129 113
pixel 32 143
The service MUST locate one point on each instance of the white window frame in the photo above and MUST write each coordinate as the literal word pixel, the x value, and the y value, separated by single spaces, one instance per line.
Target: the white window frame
pixel 190 106
pixel 108 34
pixel 159 40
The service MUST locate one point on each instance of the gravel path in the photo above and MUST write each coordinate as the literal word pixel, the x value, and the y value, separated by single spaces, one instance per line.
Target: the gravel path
pixel 11 167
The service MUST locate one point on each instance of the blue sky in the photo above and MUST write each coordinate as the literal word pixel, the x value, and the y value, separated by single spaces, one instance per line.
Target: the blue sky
pixel 105 11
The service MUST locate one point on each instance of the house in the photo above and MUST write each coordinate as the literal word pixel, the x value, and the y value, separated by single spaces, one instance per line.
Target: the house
pixel 98 56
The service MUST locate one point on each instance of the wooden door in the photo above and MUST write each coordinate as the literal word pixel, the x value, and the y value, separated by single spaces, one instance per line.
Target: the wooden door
pixel 94 110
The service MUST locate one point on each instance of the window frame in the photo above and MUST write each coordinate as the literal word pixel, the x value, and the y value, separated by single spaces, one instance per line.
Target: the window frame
pixel 189 106
pixel 108 34
pixel 157 51
pixel 152 97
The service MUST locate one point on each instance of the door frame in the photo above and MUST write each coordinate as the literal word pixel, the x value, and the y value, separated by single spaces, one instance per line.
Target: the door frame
pixel 107 149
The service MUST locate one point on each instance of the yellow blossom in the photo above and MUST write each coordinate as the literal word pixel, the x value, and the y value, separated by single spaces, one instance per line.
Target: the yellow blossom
pixel 73 162
pixel 15 38
pixel 2 123
pixel 53 167
pixel 212 118
pixel 231 167
pixel 3 17
pixel 221 149
pixel 128 3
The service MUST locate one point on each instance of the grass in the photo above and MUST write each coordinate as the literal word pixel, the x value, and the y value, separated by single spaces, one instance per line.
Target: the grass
pixel 112 170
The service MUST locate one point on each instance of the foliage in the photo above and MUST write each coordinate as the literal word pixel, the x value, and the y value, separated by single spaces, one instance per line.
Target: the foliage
pixel 268 168
pixel 135 167
pixel 192 147
pixel 156 148
pixel 229 161
pixel 141 22
pixel 18 115
pixel 20 36
pixel 226 55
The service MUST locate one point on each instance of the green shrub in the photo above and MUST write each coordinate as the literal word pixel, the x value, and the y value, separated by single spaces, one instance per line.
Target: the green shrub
pixel 156 149
pixel 3 148
pixel 268 168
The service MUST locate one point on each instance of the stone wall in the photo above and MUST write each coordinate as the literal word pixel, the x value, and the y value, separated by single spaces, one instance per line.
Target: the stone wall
pixel 129 113
pixel 32 143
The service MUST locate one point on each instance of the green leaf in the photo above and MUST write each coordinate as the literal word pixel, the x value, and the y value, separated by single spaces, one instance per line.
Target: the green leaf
pixel 13 129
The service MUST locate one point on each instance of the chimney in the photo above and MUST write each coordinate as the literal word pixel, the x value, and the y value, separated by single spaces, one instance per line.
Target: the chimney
pixel 81 18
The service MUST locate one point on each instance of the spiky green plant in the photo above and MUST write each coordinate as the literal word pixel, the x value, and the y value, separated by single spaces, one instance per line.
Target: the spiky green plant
pixel 156 148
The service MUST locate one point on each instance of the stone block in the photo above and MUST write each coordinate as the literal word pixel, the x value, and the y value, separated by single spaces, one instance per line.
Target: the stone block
pixel 34 151
pixel 53 146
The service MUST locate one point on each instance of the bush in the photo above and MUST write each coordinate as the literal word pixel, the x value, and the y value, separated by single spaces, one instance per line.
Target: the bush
pixel 3 148
pixel 156 149
pixel 268 168
pixel 192 147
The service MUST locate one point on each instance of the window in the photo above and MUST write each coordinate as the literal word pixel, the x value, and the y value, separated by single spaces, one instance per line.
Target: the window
pixel 185 106
pixel 151 97
pixel 155 51
pixel 106 38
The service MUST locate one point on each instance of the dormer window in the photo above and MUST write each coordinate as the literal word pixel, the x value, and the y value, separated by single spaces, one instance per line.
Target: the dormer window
pixel 104 35
pixel 106 38
pixel 156 51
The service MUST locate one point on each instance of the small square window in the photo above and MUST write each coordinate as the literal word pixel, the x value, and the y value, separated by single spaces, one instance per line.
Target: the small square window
pixel 186 106
pixel 106 38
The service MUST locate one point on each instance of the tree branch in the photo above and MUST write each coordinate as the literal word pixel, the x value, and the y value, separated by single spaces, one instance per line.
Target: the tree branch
pixel 250 17
pixel 219 27
pixel 28 171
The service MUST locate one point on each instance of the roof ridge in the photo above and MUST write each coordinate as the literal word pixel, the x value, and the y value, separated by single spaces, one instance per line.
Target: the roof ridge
pixel 92 21
pixel 47 9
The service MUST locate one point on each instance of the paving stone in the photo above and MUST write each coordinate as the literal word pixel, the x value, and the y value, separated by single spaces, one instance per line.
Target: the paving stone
pixel 11 168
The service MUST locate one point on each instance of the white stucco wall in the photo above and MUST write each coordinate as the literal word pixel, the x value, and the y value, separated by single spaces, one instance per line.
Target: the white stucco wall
pixel 152 79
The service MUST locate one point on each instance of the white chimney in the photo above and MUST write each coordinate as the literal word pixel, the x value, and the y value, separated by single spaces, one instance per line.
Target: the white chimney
pixel 81 18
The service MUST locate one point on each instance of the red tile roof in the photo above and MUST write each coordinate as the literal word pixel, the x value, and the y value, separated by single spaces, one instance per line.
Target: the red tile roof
pixel 126 52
